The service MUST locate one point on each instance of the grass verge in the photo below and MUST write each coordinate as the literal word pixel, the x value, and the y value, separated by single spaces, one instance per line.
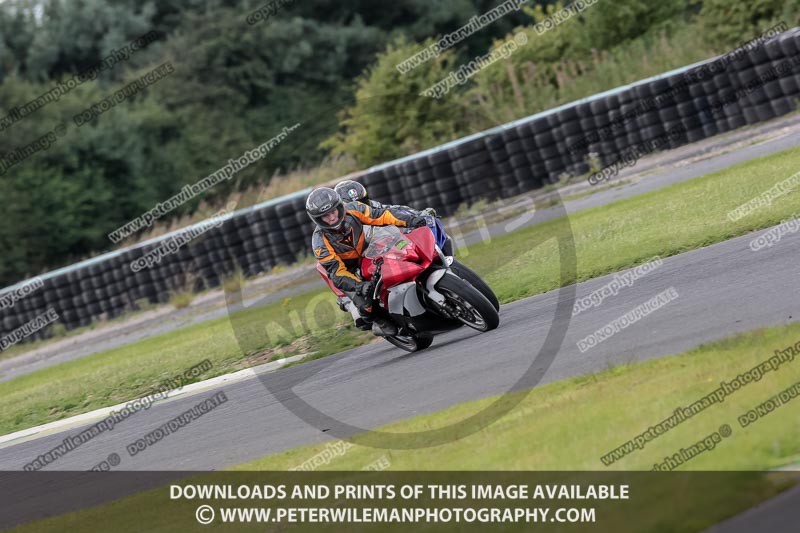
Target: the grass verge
pixel 608 238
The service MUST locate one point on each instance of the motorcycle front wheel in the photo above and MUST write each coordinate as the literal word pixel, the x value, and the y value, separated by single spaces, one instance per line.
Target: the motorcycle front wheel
pixel 467 304
pixel 468 275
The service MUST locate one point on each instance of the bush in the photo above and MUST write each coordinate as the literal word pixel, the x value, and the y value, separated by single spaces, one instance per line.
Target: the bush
pixel 233 282
pixel 729 22
pixel 552 69
pixel 181 299
pixel 610 25
pixel 390 118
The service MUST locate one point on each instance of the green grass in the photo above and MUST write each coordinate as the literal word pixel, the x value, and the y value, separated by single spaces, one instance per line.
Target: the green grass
pixel 594 190
pixel 609 238
pixel 58 332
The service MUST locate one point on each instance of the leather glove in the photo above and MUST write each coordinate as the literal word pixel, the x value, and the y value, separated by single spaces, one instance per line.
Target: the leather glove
pixel 418 222
pixel 365 289
pixel 429 211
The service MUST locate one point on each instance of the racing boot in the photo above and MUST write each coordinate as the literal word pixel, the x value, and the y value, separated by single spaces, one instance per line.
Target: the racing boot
pixel 346 304
pixel 382 327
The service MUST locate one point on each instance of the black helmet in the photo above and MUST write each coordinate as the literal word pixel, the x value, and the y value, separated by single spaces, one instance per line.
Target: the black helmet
pixel 322 201
pixel 351 191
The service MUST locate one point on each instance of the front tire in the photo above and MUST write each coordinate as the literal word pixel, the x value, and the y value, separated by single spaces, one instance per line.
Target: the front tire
pixel 468 275
pixel 411 343
pixel 469 305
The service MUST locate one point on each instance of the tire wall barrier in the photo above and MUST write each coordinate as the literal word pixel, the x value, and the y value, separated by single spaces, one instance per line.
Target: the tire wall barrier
pixel 498 163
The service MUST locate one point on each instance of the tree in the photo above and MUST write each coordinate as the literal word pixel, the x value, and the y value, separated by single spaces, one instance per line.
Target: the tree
pixel 390 117
pixel 77 34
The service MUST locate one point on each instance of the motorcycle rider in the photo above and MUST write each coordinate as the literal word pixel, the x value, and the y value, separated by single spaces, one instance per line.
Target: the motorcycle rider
pixel 338 242
pixel 353 191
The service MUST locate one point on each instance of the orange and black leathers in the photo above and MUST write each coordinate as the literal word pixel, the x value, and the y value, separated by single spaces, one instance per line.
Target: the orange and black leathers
pixel 339 251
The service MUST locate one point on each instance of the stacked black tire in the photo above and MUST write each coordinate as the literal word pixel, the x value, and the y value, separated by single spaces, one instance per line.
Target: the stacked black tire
pixel 685 107
pixel 508 160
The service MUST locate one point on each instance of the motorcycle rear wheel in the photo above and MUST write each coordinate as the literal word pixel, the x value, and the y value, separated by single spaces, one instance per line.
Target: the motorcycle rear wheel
pixel 411 343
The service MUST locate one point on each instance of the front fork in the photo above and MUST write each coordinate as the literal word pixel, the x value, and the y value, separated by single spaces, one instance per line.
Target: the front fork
pixel 430 285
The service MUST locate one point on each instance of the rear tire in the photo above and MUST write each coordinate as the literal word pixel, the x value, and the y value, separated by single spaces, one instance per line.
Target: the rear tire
pixel 468 275
pixel 475 310
pixel 411 343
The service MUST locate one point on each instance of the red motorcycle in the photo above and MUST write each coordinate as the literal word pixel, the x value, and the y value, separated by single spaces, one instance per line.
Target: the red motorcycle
pixel 416 287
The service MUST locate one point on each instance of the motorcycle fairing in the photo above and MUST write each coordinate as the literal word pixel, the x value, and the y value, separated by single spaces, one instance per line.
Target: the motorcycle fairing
pixel 324 274
pixel 404 297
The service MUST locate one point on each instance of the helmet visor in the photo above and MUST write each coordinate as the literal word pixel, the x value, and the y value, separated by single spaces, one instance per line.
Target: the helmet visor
pixel 332 219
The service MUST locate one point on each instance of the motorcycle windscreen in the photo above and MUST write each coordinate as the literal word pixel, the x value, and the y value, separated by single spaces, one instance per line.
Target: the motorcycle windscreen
pixel 386 241
pixel 404 255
